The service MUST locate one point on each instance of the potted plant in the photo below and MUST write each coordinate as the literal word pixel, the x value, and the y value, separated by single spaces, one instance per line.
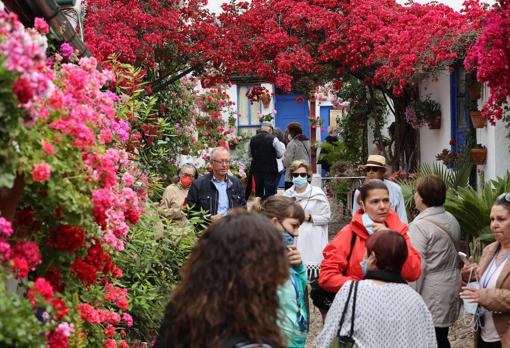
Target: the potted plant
pixel 420 112
pixel 473 87
pixel 477 119
pixel 478 154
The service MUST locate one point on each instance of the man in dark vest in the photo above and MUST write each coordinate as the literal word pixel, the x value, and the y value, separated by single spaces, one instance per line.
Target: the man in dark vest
pixel 264 149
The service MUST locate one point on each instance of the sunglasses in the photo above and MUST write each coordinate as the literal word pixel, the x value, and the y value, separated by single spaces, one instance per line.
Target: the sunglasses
pixel 303 175
pixel 371 169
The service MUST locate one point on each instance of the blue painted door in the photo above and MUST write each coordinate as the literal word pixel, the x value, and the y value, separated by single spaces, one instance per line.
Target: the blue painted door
pixel 324 111
pixel 289 110
pixel 461 128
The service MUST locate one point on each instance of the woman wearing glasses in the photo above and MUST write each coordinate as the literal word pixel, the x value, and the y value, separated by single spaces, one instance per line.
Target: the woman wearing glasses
pixel 313 234
pixel 493 270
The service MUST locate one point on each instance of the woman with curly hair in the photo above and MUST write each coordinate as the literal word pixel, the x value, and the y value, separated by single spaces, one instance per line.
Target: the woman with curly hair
pixel 228 293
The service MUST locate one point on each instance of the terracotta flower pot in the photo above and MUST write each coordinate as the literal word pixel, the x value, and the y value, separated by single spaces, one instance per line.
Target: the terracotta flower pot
pixel 435 123
pixel 479 156
pixel 477 120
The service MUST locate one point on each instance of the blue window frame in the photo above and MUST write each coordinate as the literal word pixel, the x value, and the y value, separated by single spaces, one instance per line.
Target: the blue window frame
pixel 247 118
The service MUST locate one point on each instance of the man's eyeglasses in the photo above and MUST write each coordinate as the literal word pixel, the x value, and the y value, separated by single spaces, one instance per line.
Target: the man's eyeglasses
pixel 188 175
pixel 505 196
pixel 221 162
pixel 371 169
pixel 303 175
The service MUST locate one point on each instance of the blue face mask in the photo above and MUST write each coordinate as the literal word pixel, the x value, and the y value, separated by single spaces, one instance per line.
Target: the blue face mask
pixel 364 266
pixel 299 181
pixel 366 222
pixel 288 239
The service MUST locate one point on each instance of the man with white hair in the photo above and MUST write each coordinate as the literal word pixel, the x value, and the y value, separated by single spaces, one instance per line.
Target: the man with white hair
pixel 217 192
pixel 264 149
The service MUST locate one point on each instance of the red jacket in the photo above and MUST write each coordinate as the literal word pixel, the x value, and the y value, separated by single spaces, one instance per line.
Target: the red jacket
pixel 337 251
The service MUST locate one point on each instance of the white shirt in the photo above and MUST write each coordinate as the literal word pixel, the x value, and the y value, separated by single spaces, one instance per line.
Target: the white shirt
pixel 489 332
pixel 396 200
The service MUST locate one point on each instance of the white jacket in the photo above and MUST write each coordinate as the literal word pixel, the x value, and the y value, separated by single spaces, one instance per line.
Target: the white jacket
pixel 313 236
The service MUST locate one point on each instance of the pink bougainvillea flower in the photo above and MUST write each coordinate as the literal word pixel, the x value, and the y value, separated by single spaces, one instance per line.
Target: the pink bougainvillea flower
pixel 41 172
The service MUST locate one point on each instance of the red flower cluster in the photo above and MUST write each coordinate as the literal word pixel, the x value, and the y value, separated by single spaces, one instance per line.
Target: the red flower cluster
pixel 23 90
pixel 67 238
pixel 96 261
pixel 491 56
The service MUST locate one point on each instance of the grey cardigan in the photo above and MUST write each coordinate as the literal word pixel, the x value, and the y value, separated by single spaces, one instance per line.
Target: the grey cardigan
pixel 296 150
pixel 440 277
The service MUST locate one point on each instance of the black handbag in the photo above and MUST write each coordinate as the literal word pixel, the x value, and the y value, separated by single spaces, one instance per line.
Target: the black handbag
pixel 321 298
pixel 347 341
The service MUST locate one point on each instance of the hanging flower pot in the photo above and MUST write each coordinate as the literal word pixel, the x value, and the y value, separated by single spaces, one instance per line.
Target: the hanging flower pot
pixel 479 155
pixel 477 120
pixel 474 90
pixel 435 122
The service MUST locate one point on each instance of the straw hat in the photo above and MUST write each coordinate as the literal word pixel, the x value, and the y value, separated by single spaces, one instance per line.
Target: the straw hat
pixel 376 161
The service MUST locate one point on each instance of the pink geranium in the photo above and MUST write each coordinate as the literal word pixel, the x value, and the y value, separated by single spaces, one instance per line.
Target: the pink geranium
pixel 41 172
pixel 5 227
pixel 41 26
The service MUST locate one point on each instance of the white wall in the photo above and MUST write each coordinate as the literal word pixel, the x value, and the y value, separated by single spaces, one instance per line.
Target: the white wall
pixel 498 151
pixel 432 141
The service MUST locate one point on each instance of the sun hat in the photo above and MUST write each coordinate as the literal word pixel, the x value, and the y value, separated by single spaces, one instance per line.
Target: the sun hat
pixel 376 161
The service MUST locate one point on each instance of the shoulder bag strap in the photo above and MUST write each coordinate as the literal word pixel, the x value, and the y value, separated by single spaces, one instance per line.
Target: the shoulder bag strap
pixel 353 308
pixel 346 306
pixel 353 241
pixel 442 229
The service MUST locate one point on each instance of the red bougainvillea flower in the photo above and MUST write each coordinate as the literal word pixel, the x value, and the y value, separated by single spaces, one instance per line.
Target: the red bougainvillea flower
pixel 41 172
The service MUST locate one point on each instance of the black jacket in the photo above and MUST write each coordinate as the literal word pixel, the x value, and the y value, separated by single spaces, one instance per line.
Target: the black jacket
pixel 204 195
pixel 263 153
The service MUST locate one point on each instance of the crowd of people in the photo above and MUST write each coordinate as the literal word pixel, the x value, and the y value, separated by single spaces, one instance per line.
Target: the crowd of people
pixel 380 282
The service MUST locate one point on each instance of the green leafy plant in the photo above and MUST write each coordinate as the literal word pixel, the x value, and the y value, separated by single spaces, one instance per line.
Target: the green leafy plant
pixel 150 265
pixel 472 210
pixel 453 179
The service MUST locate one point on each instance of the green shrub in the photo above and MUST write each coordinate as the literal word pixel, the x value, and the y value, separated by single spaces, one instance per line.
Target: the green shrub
pixel 150 263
